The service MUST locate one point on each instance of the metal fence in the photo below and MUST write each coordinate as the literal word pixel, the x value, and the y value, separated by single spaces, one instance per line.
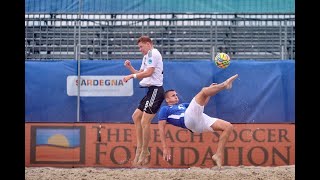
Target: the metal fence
pixel 176 36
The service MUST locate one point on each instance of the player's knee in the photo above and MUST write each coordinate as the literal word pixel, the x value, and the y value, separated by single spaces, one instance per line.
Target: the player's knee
pixel 145 123
pixel 228 126
pixel 136 117
pixel 204 91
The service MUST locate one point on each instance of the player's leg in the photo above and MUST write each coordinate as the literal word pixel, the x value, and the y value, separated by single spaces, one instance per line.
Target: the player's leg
pixel 204 95
pixel 208 97
pixel 155 98
pixel 146 131
pixel 136 116
pixel 226 128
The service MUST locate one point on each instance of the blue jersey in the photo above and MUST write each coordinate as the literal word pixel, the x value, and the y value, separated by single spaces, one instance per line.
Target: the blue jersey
pixel 174 114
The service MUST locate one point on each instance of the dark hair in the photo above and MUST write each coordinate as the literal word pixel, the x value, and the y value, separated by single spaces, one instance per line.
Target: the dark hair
pixel 166 92
pixel 144 39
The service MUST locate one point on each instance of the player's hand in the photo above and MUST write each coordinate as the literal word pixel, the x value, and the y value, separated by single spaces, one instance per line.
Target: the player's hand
pixel 127 63
pixel 127 78
pixel 166 154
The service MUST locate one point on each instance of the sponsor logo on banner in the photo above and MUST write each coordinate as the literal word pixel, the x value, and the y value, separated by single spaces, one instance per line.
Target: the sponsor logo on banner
pixel 114 145
pixel 99 86
pixel 58 145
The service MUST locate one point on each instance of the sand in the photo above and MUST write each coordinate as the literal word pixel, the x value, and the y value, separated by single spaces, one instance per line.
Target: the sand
pixel 226 173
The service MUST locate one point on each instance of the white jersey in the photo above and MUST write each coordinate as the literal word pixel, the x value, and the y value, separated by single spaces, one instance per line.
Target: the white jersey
pixel 152 59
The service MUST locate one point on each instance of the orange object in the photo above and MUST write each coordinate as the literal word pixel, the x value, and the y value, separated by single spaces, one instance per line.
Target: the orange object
pixel 78 145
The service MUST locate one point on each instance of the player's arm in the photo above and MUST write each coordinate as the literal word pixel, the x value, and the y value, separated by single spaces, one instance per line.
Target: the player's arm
pixel 128 65
pixel 162 127
pixel 139 74
pixel 146 73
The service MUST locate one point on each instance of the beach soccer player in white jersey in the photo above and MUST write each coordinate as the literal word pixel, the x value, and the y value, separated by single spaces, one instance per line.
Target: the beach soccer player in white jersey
pixel 151 76
pixel 191 116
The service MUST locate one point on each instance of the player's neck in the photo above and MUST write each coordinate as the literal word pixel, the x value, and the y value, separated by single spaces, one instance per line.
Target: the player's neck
pixel 171 104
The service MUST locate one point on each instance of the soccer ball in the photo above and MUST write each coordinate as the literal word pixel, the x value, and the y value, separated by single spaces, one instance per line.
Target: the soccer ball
pixel 222 60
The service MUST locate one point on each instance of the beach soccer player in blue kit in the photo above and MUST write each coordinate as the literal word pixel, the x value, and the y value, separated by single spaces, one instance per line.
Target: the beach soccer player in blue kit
pixel 191 116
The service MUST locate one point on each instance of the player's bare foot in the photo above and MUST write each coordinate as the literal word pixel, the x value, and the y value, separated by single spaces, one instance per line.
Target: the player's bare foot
pixel 136 158
pixel 143 158
pixel 229 81
pixel 213 84
pixel 218 160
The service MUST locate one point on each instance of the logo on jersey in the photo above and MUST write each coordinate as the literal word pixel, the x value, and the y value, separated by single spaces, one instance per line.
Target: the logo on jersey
pixel 149 61
pixel 180 106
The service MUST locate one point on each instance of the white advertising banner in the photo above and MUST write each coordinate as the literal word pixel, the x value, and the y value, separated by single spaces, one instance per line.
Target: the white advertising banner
pixel 99 86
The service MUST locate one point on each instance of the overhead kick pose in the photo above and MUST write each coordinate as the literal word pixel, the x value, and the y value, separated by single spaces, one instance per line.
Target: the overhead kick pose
pixel 191 116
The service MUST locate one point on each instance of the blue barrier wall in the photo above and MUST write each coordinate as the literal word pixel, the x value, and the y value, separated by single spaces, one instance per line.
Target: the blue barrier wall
pixel 263 93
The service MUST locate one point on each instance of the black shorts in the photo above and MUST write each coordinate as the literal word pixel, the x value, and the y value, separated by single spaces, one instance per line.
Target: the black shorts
pixel 151 102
